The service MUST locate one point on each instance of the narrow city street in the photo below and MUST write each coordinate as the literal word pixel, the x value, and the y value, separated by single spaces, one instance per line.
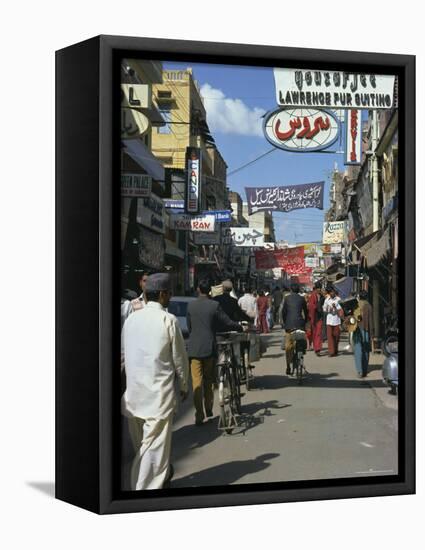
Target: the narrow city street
pixel 335 425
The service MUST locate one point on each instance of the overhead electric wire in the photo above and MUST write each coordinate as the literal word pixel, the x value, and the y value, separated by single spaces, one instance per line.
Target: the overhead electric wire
pixel 232 172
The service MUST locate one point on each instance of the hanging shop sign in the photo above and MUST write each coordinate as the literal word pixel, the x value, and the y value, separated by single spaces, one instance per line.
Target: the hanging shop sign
pixel 136 96
pixel 312 262
pixel 186 222
pixel 209 238
pixel 301 130
pixel 136 185
pixel 174 204
pixel 353 136
pixel 150 213
pixel 333 89
pixel 245 236
pixel 289 259
pixel 333 232
pixel 336 248
pixel 134 124
pixel 220 215
pixel 193 181
pixel 285 198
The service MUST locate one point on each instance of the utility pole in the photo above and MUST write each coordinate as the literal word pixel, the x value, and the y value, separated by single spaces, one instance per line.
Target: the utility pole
pixel 375 174
pixel 375 212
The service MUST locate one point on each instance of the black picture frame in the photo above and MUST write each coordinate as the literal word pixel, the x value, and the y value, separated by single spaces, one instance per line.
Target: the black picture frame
pixel 87 248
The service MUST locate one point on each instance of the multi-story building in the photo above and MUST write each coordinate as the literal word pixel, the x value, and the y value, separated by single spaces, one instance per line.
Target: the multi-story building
pixel 142 175
pixel 263 221
pixel 180 103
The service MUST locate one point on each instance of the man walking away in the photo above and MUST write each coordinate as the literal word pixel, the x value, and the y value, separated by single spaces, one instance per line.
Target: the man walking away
pixel 154 354
pixel 334 312
pixel 248 305
pixel 204 319
pixel 262 307
pixel 230 305
pixel 294 317
pixel 277 300
pixel 315 315
pixel 363 335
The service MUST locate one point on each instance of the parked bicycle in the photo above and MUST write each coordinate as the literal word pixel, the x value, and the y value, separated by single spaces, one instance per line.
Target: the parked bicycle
pixel 229 392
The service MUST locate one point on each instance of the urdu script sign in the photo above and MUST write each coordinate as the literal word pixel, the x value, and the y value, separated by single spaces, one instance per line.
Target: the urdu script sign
pixel 285 198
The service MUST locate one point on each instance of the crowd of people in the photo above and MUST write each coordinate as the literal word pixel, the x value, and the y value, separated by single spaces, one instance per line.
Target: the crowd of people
pixel 155 357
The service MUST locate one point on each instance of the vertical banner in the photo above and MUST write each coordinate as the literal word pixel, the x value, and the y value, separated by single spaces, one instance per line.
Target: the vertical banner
pixel 193 181
pixel 353 136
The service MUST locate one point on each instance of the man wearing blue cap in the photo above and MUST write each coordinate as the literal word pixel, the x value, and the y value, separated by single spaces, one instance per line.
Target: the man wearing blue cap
pixel 154 356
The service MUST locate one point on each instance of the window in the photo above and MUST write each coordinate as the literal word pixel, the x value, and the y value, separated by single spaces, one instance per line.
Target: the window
pixel 166 115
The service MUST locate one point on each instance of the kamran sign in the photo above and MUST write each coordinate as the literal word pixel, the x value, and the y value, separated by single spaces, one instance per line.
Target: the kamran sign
pixel 285 198
pixel 333 232
pixel 333 89
pixel 301 130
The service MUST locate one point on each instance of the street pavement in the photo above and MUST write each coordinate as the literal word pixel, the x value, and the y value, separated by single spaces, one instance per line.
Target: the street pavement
pixel 333 426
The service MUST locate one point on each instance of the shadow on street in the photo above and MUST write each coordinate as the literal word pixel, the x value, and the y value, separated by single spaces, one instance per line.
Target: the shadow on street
pixel 227 473
pixel 190 437
pixel 269 382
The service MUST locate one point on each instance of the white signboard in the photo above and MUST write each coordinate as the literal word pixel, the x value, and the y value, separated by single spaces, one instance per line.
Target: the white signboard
pixel 136 185
pixel 301 130
pixel 207 238
pixel 333 232
pixel 311 262
pixel 246 236
pixel 353 136
pixel 136 96
pixel 336 249
pixel 333 89
pixel 186 222
pixel 277 273
pixel 269 246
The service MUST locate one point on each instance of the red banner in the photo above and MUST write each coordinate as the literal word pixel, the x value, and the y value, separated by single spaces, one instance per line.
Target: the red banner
pixel 289 259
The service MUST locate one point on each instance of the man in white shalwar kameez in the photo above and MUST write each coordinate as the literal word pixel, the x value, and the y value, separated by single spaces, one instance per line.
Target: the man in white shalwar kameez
pixel 154 356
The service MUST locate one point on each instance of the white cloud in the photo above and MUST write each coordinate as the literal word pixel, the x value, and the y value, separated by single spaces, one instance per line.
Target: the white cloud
pixel 231 116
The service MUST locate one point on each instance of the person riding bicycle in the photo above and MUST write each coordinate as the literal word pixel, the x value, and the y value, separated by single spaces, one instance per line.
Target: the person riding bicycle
pixel 294 317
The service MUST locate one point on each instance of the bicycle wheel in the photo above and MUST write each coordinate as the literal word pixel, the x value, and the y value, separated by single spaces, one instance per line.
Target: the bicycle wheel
pixel 295 364
pixel 247 369
pixel 225 400
pixel 235 383
pixel 300 369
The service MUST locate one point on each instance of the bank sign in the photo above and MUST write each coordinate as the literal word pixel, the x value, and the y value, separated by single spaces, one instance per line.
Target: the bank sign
pixel 333 232
pixel 333 89
pixel 193 181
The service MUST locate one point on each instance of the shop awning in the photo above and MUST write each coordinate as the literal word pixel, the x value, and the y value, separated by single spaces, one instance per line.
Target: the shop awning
pixel 138 151
pixel 374 247
pixel 379 249
pixel 365 243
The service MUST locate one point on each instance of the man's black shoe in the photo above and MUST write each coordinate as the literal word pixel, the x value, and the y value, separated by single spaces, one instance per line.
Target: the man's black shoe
pixel 209 414
pixel 288 371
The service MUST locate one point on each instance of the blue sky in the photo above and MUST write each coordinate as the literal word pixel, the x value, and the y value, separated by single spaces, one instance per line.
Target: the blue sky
pixel 235 99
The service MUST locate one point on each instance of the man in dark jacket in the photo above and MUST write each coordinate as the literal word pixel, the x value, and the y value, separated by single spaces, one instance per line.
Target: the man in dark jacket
pixel 294 317
pixel 204 319
pixel 230 305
